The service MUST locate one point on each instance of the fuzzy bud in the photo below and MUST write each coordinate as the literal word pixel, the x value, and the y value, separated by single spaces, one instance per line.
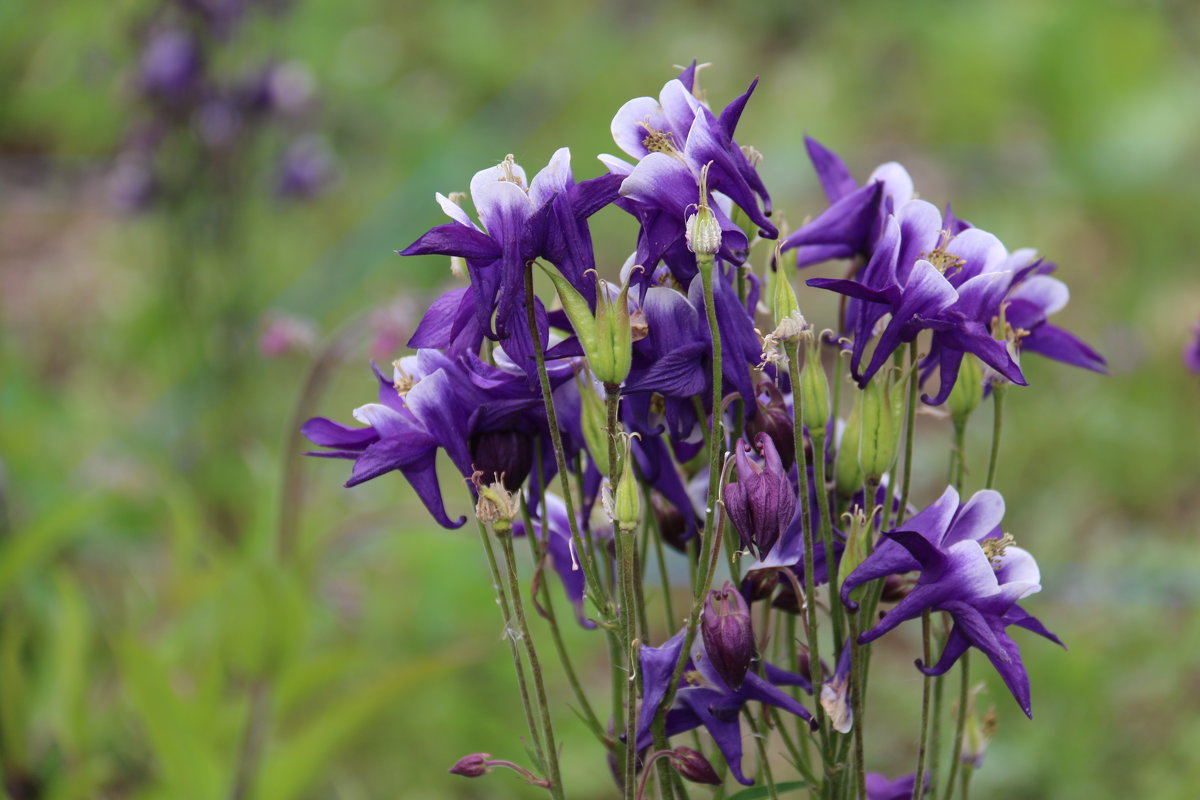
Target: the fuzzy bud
pixel 761 502
pixel 728 636
pixel 692 765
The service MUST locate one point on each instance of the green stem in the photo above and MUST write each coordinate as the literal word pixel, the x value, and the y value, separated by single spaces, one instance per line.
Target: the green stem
pixel 997 424
pixel 910 424
pixel 926 691
pixel 518 665
pixel 535 668
pixel 763 762
pixel 660 557
pixel 595 589
pixel 835 608
pixel 716 438
pixel 964 690
pixel 856 707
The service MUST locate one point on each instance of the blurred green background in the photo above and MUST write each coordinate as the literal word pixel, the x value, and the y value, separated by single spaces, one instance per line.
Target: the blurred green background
pixel 145 438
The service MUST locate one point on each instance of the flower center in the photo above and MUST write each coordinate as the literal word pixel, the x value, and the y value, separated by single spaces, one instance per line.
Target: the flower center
pixel 657 141
pixel 510 175
pixel 402 382
pixel 942 260
pixel 995 549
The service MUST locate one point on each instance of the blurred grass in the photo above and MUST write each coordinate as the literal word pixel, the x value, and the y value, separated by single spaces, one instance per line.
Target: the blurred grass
pixel 133 612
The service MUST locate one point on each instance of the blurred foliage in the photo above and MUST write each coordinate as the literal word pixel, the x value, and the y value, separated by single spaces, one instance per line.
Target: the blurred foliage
pixel 144 614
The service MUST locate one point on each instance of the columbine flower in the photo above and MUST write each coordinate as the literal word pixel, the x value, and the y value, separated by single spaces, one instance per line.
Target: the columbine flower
pixel 704 698
pixel 521 221
pixel 673 139
pixel 835 694
pixel 761 503
pixel 485 417
pixel 1026 308
pixel 880 788
pixel 968 571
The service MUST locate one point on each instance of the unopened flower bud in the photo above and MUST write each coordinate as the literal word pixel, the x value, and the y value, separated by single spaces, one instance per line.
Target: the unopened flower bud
pixel 814 390
pixel 503 455
pixel 880 440
pixel 594 419
pixel 628 504
pixel 967 393
pixel 848 475
pixel 773 418
pixel 703 231
pixel 471 766
pixel 758 584
pixel 761 502
pixel 728 636
pixel 692 765
pixel 783 298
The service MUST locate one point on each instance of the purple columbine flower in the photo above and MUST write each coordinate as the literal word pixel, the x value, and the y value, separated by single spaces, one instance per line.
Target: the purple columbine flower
pixel 728 634
pixel 855 218
pixel 485 417
pixel 969 570
pixel 171 68
pixel 519 222
pixel 673 138
pixel 704 698
pixel 1026 308
pixel 762 502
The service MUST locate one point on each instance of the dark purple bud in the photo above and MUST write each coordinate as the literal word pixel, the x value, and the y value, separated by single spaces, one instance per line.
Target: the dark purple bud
pixel 506 454
pixel 728 635
pixel 759 584
pixel 775 420
pixel 761 502
pixel 472 766
pixel 694 766
pixel 787 600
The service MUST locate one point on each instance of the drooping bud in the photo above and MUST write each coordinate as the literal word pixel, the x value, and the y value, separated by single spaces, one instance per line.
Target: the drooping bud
pixel 761 502
pixel 628 504
pixel 506 455
pixel 880 439
pixel 672 525
pixel 848 475
pixel 775 420
pixel 967 393
pixel 758 584
pixel 471 766
pixel 692 765
pixel 728 636
pixel 814 389
pixel 895 588
pixel 703 231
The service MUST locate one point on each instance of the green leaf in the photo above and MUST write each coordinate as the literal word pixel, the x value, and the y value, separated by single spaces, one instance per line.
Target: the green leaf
pixel 30 547
pixel 759 792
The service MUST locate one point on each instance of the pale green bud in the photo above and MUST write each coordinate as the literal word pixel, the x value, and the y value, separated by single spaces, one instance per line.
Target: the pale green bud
pixel 858 541
pixel 594 417
pixel 848 475
pixel 703 232
pixel 967 393
pixel 814 390
pixel 881 412
pixel 628 503
pixel 783 298
pixel 607 336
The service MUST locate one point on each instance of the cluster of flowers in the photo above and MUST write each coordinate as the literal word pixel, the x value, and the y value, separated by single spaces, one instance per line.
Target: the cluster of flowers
pixel 658 395
pixel 189 107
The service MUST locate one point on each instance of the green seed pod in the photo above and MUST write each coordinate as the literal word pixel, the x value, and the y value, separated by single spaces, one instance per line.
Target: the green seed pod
pixel 880 430
pixel 628 502
pixel 594 417
pixel 857 549
pixel 607 336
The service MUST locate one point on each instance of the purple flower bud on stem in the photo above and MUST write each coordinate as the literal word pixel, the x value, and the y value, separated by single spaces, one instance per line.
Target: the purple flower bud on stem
pixel 471 766
pixel 692 765
pixel 728 635
pixel 775 420
pixel 761 502
pixel 504 454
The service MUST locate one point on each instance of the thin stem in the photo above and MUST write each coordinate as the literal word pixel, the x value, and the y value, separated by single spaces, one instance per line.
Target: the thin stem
pixel 810 539
pixel 835 606
pixel 253 738
pixel 716 437
pixel 518 665
pixel 856 707
pixel 964 690
pixel 919 782
pixel 660 557
pixel 535 668
pixel 625 547
pixel 564 656
pixel 595 589
pixel 997 424
pixel 910 423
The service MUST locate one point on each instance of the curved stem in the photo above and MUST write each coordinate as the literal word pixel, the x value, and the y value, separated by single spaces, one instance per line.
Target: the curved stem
pixel 716 437
pixel 919 782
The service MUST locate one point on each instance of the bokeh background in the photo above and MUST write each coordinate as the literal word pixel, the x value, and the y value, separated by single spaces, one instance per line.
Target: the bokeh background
pixel 155 636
